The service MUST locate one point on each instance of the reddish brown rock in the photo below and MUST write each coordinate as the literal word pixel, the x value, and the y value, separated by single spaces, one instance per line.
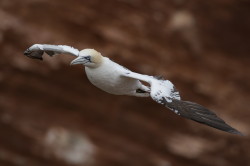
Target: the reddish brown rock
pixel 203 48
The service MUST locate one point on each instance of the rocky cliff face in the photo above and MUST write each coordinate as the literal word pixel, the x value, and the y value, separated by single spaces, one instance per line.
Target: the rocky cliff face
pixel 51 115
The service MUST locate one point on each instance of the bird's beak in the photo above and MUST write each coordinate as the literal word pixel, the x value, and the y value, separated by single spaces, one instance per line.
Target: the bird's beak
pixel 78 60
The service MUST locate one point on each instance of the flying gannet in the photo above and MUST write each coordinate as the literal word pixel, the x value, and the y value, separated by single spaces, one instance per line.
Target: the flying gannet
pixel 118 80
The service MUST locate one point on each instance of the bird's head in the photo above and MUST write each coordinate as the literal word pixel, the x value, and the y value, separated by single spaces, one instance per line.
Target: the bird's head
pixel 88 57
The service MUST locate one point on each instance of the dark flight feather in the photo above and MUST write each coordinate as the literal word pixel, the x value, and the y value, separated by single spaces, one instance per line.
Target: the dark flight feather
pixel 199 114
pixel 34 54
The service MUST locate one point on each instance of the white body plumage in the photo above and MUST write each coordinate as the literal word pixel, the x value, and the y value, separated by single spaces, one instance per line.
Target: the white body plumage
pixel 109 77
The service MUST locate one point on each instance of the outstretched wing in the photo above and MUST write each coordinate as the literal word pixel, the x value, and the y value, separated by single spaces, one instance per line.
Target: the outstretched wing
pixel 36 51
pixel 164 92
pixel 199 114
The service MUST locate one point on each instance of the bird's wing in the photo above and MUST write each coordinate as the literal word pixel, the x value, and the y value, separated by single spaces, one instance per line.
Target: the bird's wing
pixel 198 113
pixel 36 51
pixel 164 92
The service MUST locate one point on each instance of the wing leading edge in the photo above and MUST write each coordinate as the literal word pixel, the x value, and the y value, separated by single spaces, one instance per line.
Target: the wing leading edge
pixel 36 51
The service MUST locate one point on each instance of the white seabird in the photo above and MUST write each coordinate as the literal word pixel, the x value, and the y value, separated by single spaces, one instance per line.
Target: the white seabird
pixel 116 79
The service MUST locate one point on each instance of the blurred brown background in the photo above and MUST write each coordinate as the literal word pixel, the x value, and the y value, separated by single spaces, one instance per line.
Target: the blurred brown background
pixel 51 115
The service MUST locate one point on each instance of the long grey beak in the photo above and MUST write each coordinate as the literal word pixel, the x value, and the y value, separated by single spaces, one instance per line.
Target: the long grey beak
pixel 78 60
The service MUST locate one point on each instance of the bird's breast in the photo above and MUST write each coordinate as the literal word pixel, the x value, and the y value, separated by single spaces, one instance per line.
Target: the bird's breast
pixel 110 80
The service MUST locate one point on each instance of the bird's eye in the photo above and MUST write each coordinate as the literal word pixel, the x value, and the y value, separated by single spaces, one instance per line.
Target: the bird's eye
pixel 87 58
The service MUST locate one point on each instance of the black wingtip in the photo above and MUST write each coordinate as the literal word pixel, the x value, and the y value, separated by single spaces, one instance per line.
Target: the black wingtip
pixel 200 114
pixel 34 54
pixel 26 52
pixel 236 132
